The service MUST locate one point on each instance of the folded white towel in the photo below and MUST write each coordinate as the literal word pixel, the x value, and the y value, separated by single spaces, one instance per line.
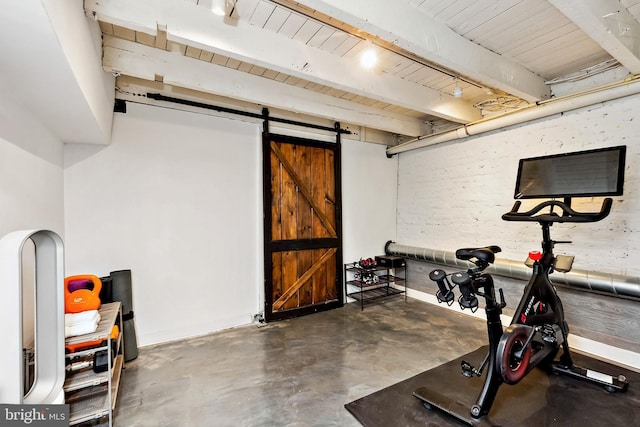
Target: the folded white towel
pixel 91 316
pixel 80 329
pixel 81 323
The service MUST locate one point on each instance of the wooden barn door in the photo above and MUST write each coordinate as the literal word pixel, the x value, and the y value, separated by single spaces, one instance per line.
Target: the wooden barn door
pixel 302 210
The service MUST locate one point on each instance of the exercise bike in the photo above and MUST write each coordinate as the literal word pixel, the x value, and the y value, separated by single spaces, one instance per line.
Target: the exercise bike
pixel 538 329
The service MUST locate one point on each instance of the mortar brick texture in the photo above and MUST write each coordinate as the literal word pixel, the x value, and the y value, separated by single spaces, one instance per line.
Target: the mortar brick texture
pixel 452 195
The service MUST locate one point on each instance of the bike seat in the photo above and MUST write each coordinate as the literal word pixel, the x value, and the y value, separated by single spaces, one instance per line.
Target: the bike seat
pixel 486 254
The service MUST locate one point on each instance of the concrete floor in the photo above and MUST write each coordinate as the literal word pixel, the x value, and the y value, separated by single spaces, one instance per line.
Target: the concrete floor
pixel 298 372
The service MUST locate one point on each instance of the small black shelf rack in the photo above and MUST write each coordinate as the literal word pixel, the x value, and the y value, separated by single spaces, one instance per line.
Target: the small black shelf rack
pixel 369 284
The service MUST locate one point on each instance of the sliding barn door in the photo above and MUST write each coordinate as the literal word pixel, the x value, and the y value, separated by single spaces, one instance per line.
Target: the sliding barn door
pixel 302 210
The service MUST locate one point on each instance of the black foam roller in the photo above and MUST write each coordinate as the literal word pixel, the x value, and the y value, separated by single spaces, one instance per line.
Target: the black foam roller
pixel 121 291
pixel 105 292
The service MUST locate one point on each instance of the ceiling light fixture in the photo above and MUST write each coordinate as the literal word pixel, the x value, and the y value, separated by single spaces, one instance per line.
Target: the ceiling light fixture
pixel 218 7
pixel 457 90
pixel 368 57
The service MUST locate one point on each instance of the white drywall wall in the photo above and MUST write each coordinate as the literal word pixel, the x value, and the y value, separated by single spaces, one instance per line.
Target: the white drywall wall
pixel 453 195
pixel 175 199
pixel 31 188
pixel 369 188
pixel 31 197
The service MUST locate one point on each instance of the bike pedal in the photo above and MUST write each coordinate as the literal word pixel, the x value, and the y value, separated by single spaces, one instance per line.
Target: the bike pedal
pixel 550 334
pixel 467 369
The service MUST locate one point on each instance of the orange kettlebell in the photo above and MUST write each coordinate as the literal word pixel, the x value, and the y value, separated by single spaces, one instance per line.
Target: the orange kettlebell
pixel 82 293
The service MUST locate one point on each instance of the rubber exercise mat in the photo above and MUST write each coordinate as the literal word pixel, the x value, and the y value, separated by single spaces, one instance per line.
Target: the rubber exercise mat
pixel 121 290
pixel 540 399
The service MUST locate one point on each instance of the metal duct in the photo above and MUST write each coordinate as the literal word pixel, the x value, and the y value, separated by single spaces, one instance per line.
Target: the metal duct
pixel 604 283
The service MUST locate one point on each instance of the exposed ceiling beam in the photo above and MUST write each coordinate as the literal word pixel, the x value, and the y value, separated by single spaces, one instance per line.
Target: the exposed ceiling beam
pixel 407 27
pixel 189 24
pixel 141 61
pixel 609 24
pixel 131 88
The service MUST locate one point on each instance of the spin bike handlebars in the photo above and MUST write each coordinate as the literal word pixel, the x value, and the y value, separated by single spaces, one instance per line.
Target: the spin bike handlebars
pixel 568 214
pixel 467 281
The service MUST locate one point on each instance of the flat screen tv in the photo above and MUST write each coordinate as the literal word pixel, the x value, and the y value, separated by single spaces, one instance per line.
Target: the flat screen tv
pixel 588 173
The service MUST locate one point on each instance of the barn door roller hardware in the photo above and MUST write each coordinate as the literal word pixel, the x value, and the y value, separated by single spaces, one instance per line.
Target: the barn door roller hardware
pixel 264 115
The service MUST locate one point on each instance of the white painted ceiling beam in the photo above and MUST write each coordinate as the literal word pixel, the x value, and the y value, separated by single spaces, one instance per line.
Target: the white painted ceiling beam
pixel 141 61
pixel 407 27
pixel 609 24
pixel 193 25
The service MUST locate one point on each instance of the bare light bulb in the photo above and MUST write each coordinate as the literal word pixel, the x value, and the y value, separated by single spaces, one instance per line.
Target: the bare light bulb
pixel 218 7
pixel 368 58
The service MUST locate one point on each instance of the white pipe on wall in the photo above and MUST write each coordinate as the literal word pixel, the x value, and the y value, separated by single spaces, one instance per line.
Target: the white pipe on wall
pixel 536 111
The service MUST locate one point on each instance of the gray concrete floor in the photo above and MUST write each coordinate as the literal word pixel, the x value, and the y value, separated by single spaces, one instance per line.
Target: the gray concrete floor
pixel 298 372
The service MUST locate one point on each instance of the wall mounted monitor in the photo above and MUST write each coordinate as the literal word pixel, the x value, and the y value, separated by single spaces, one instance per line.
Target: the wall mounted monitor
pixel 588 173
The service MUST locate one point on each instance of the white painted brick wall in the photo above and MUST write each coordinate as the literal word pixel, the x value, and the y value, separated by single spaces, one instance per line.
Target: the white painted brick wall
pixel 452 195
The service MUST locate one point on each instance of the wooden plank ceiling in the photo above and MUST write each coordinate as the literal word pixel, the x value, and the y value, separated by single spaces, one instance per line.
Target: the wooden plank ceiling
pixel 304 56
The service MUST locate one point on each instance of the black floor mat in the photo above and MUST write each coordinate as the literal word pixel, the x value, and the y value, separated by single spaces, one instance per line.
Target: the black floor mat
pixel 540 399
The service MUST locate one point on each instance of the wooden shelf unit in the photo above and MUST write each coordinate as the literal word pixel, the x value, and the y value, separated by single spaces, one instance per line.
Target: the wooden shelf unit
pixel 92 395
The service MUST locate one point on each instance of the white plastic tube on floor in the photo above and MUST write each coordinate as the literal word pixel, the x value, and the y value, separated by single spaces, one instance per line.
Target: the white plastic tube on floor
pixel 536 111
